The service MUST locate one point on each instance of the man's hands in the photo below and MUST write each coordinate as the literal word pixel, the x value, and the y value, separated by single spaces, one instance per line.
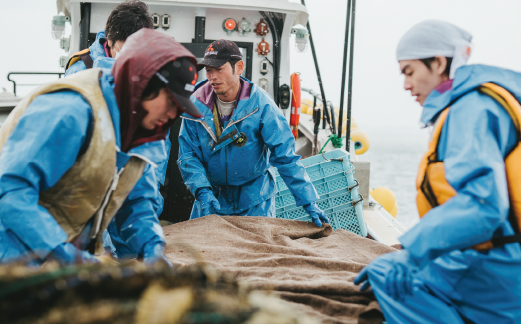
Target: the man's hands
pixel 209 204
pixel 316 214
pixel 66 254
pixel 106 259
pixel 395 267
pixel 153 252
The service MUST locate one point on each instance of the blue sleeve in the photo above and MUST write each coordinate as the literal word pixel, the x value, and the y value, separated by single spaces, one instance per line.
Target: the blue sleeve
pixel 190 157
pixel 156 152
pixel 277 135
pixel 41 148
pixel 76 67
pixel 473 143
pixel 136 224
pixel 103 62
pixel 163 165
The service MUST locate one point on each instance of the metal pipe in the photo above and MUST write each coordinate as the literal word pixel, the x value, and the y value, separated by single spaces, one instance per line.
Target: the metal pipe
pixel 276 62
pixel 311 43
pixel 59 74
pixel 200 26
pixel 316 122
pixel 350 86
pixel 317 114
pixel 344 66
pixel 85 25
pixel 325 110
pixel 333 121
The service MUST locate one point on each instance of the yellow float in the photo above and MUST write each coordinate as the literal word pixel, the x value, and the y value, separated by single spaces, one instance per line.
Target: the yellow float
pixel 360 141
pixel 394 212
pixel 306 107
pixel 385 197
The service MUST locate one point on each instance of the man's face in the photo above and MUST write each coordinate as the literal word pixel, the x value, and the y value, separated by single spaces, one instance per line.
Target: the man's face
pixel 223 78
pixel 160 110
pixel 115 47
pixel 420 80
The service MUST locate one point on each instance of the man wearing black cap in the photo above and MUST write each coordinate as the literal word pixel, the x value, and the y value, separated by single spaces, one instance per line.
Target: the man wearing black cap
pixel 225 156
pixel 76 157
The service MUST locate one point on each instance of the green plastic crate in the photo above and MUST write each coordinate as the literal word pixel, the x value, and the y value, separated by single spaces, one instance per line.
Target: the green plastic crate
pixel 338 190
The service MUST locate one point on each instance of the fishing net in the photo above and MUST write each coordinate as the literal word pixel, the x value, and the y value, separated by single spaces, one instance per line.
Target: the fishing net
pixel 134 293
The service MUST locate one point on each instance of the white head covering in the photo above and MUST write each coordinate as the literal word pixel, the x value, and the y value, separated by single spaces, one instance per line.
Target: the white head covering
pixel 435 37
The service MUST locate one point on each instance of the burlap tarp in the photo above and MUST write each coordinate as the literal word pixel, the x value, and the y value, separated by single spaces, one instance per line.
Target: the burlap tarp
pixel 311 267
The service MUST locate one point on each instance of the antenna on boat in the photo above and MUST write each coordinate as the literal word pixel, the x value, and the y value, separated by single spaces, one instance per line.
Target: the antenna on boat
pixel 350 12
pixel 344 66
pixel 323 95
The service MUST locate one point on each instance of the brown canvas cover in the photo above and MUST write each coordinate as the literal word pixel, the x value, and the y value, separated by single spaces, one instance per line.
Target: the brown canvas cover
pixel 311 267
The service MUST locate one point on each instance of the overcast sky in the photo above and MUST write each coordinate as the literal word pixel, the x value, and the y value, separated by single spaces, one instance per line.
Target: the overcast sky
pixel 378 96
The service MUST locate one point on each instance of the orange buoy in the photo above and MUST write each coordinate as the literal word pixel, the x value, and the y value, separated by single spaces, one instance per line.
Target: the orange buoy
pixel 295 104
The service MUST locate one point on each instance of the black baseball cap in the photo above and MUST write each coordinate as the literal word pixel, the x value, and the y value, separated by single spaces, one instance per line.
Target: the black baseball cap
pixel 220 52
pixel 180 77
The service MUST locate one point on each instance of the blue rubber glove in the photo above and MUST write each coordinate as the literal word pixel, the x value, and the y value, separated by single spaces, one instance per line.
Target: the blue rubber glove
pixel 397 268
pixel 316 214
pixel 209 204
pixel 67 254
pixel 153 252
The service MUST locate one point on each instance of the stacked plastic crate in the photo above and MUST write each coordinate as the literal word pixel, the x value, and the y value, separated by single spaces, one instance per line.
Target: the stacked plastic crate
pixel 334 180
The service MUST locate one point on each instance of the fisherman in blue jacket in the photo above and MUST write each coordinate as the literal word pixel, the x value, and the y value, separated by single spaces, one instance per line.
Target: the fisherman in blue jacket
pixel 77 156
pixel 462 262
pixel 225 156
pixel 127 18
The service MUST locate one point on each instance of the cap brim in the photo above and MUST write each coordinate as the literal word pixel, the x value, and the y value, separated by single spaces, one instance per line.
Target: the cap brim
pixel 186 105
pixel 212 62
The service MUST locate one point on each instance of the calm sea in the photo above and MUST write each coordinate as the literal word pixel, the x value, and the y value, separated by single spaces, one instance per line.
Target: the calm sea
pixel 395 155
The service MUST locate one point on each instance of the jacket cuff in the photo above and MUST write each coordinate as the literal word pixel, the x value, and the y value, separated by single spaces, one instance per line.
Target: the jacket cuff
pixel 299 183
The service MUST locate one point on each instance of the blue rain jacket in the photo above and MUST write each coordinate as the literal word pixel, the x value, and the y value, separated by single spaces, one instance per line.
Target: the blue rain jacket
pixel 97 53
pixel 44 145
pixel 240 176
pixel 450 280
pixel 162 165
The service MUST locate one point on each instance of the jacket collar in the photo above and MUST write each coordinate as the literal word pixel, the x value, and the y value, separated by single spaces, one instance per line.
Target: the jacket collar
pixel 436 101
pixel 467 79
pixel 449 91
pixel 96 49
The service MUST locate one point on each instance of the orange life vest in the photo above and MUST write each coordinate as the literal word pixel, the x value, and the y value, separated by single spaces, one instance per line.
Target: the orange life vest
pixel 83 55
pixel 433 188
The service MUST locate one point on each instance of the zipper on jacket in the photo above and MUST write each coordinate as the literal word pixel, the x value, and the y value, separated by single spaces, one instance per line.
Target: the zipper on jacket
pixel 226 163
pixel 99 215
pixel 233 122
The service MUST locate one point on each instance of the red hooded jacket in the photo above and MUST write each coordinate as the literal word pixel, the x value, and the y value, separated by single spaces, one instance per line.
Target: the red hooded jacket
pixel 145 52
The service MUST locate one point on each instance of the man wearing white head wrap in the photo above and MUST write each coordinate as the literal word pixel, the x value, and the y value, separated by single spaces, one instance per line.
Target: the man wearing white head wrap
pixel 432 38
pixel 462 262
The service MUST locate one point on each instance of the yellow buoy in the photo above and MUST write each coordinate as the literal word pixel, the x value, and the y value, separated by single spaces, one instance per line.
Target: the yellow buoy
pixel 361 141
pixel 394 212
pixel 306 107
pixel 385 197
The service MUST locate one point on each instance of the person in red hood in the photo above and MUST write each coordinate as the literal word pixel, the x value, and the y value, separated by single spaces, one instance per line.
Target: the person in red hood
pixel 76 157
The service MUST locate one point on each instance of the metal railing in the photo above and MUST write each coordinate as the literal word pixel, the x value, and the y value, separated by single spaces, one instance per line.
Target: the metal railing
pixel 59 74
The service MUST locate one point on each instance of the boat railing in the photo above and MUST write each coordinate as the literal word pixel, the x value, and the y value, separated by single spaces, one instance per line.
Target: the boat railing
pixel 15 84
